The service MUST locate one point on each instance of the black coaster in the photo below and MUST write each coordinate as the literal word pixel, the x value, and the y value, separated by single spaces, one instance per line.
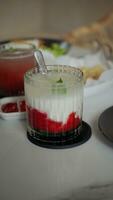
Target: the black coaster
pixel 82 137
pixel 105 123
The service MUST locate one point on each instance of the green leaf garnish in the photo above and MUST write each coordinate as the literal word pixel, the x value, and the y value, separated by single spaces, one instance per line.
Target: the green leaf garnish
pixel 56 49
pixel 59 81
pixel 59 87
pixel 12 49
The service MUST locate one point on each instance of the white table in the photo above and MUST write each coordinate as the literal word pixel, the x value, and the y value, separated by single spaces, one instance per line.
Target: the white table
pixel 29 172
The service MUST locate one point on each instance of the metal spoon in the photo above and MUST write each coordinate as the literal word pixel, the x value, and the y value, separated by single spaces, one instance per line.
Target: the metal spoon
pixel 40 61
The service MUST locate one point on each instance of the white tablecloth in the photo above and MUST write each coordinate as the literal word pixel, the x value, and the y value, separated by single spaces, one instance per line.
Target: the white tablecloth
pixel 29 172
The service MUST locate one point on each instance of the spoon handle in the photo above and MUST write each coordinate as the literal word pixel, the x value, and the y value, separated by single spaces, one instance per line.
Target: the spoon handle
pixel 40 60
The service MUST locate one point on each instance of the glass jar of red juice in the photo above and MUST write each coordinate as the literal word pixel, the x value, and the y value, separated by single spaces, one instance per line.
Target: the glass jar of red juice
pixel 13 65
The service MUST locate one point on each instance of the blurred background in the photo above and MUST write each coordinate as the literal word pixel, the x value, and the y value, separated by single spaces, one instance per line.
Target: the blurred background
pixel 47 17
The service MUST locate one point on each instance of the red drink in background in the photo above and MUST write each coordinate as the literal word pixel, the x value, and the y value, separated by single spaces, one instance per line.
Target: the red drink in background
pixel 13 66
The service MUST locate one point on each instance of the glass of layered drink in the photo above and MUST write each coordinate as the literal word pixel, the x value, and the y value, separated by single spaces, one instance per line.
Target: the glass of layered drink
pixel 54 104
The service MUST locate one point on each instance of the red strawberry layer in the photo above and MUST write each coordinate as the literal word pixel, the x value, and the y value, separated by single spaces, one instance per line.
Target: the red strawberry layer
pixel 39 120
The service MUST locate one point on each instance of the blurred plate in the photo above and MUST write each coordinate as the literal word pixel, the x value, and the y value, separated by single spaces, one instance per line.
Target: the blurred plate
pixel 57 46
pixel 105 123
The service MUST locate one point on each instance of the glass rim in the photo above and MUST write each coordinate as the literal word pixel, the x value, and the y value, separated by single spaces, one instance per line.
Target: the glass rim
pixel 67 68
pixel 16 54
